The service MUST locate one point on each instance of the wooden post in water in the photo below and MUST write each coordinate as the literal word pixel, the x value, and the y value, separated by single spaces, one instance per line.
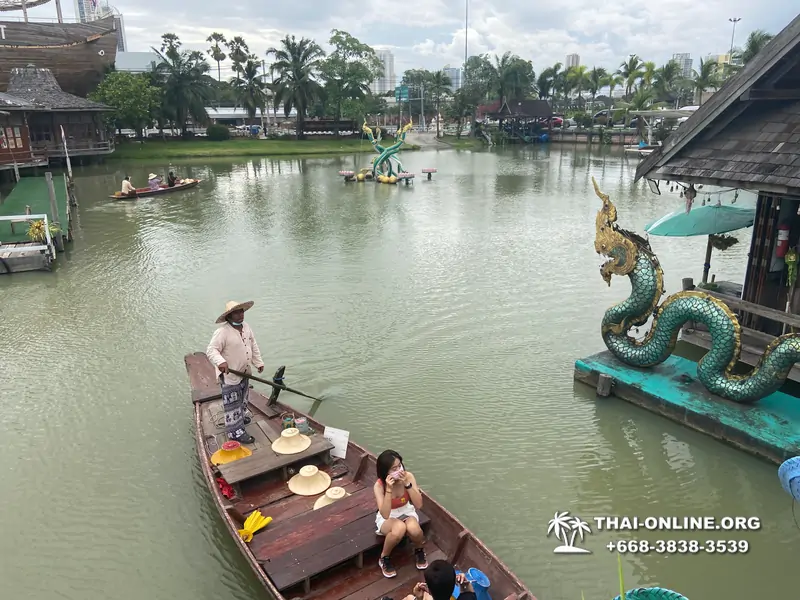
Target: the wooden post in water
pixel 604 383
pixel 58 238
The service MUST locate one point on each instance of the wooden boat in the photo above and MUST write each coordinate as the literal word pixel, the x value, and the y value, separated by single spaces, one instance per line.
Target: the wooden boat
pixel 164 189
pixel 330 553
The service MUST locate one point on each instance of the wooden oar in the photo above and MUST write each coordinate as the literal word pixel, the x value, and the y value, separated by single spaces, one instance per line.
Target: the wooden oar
pixel 272 383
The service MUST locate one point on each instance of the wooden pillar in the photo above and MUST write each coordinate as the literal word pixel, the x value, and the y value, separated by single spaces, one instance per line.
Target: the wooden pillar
pixel 58 11
pixel 707 263
pixel 58 239
pixel 25 10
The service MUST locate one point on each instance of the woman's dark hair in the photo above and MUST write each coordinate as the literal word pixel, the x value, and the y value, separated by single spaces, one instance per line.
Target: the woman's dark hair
pixel 384 463
pixel 441 579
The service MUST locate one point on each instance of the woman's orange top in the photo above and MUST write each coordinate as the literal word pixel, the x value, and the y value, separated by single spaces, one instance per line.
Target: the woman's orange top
pixel 398 502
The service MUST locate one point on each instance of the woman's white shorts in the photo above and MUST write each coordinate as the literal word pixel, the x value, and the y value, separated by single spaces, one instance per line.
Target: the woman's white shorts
pixel 402 513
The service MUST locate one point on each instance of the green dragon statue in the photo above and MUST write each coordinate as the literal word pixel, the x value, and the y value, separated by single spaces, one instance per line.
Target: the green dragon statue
pixel 382 164
pixel 631 255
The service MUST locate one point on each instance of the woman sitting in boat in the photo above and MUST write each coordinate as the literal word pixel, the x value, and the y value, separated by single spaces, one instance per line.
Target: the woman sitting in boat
pixel 154 181
pixel 127 187
pixel 171 179
pixel 398 497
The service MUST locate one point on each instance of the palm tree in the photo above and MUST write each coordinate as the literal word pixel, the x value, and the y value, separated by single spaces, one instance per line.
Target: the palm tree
pixel 648 73
pixel 297 64
pixel 578 79
pixel 440 85
pixel 596 79
pixel 187 87
pixel 511 77
pixel 705 78
pixel 631 70
pixel 667 81
pixel 217 55
pixel 238 52
pixel 250 88
pixel 544 83
pixel 755 43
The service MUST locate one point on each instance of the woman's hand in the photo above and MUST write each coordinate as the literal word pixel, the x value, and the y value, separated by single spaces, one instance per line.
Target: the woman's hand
pixel 390 481
pixel 420 590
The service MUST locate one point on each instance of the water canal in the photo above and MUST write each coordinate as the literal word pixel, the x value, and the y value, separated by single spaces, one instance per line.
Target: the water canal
pixel 441 320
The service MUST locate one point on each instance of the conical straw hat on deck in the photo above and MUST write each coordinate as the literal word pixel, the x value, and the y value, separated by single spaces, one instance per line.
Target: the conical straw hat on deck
pixel 291 442
pixel 331 496
pixel 310 481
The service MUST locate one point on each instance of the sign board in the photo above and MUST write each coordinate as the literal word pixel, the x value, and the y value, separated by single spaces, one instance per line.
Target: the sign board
pixel 339 439
pixel 401 93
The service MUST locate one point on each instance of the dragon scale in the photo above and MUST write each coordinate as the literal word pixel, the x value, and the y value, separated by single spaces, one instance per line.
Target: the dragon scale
pixel 631 255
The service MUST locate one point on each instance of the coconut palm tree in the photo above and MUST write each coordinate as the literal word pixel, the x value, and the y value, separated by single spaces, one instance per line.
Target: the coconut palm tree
pixel 578 79
pixel 631 71
pixel 705 78
pixel 297 64
pixel 183 75
pixel 648 73
pixel 250 88
pixel 755 43
pixel 544 83
pixel 439 86
pixel 511 77
pixel 667 81
pixel 217 55
pixel 596 79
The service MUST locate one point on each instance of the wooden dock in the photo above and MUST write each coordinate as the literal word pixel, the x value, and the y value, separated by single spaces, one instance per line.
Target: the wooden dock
pixel 31 200
pixel 770 428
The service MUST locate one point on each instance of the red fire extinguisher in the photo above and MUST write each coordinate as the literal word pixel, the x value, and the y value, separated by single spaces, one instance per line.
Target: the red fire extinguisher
pixel 783 241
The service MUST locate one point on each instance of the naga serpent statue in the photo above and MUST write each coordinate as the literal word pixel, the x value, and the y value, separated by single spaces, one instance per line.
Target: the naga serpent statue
pixel 631 255
pixel 382 164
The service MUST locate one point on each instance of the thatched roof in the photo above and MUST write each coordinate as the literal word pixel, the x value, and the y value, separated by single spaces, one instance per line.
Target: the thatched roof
pixel 39 87
pixel 747 134
pixel 523 109
pixel 13 103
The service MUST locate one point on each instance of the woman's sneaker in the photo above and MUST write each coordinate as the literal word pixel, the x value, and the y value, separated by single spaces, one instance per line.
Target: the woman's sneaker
pixel 420 558
pixel 386 566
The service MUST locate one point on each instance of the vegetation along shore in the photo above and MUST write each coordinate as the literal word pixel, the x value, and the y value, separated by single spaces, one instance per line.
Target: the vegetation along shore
pixel 154 148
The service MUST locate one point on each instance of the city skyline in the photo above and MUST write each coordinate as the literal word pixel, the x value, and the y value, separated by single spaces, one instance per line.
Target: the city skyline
pixel 601 36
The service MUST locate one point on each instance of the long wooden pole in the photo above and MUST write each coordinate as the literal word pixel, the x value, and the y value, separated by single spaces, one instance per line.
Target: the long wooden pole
pixel 707 264
pixel 25 10
pixel 58 11
pixel 58 238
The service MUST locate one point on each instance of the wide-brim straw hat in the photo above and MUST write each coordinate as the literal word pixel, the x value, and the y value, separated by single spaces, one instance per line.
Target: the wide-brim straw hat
pixel 310 481
pixel 232 306
pixel 332 495
pixel 291 442
pixel 152 176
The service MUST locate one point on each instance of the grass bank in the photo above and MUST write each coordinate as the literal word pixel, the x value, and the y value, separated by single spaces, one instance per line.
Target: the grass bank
pixel 465 143
pixel 158 149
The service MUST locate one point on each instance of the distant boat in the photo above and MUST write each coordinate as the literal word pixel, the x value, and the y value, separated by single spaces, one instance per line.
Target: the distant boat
pixel 164 189
pixel 78 54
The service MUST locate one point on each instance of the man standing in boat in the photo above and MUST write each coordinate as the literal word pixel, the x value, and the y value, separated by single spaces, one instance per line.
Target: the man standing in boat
pixel 233 346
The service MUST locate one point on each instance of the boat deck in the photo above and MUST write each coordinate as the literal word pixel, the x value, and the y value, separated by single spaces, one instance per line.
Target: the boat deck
pixel 32 191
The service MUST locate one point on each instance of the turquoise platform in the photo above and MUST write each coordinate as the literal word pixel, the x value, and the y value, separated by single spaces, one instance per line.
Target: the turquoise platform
pixel 770 428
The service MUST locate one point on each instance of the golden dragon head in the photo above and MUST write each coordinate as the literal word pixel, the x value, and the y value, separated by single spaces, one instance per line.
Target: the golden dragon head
pixel 619 246
pixel 407 127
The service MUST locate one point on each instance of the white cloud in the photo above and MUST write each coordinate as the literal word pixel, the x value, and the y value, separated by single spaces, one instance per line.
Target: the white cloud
pixel 430 33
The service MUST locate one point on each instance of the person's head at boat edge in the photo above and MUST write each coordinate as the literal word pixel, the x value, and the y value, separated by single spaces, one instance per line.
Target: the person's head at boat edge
pixel 440 581
pixel 398 498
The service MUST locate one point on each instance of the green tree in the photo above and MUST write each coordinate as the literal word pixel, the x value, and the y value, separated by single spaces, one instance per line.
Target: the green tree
pixel 631 71
pixel 596 79
pixel 250 88
pixel 512 78
pixel 297 64
pixel 705 78
pixel 131 96
pixel 217 40
pixel 440 86
pixel 754 45
pixel 348 71
pixel 238 52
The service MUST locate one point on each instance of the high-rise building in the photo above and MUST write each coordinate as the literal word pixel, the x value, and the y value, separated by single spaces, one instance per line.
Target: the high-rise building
pixel 91 10
pixel 456 78
pixel 684 60
pixel 386 83
pixel 573 60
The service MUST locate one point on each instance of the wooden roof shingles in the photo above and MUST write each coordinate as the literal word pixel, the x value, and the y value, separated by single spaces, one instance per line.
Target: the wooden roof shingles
pixel 522 109
pixel 39 87
pixel 745 135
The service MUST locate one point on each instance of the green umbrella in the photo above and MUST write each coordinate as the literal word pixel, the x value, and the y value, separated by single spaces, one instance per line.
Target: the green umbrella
pixel 704 220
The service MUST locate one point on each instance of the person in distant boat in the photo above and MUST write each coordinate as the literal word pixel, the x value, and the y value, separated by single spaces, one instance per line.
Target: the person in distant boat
pixel 154 181
pixel 398 497
pixel 127 187
pixel 171 179
pixel 234 346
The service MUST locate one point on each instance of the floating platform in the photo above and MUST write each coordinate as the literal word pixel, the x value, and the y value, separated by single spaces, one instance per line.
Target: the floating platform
pixel 770 428
pixel 429 172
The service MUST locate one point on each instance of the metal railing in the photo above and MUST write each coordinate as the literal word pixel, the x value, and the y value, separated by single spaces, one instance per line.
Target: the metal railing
pixel 73 147
pixel 48 247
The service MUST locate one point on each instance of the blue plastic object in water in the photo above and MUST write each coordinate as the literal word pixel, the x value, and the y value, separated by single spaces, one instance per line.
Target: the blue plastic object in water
pixel 652 593
pixel 789 474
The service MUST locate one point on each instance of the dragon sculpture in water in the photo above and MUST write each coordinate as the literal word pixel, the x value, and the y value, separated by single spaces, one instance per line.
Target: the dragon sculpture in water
pixel 631 255
pixel 382 164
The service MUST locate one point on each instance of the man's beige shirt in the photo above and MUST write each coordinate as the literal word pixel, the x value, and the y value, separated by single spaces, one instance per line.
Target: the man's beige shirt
pixel 239 350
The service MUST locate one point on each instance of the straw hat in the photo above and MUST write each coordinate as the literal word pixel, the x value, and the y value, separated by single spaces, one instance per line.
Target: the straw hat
pixel 152 176
pixel 332 495
pixel 232 306
pixel 291 442
pixel 310 481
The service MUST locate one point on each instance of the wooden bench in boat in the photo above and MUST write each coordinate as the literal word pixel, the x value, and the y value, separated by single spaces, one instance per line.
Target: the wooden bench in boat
pixel 308 544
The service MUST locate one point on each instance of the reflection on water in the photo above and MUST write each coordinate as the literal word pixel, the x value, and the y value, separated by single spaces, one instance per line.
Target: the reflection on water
pixel 440 319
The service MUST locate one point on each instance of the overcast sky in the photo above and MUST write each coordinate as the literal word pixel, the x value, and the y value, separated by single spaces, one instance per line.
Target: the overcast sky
pixel 430 33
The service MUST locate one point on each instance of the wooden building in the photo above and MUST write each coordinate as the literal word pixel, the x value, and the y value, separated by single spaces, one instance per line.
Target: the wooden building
pixel 523 120
pixel 747 136
pixel 15 142
pixel 37 104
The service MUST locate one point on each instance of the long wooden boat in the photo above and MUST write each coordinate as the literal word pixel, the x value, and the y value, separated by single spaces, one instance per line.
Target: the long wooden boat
pixel 330 553
pixel 164 189
pixel 77 53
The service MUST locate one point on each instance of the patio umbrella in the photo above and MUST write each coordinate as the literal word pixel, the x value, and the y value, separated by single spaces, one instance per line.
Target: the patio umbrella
pixel 704 220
